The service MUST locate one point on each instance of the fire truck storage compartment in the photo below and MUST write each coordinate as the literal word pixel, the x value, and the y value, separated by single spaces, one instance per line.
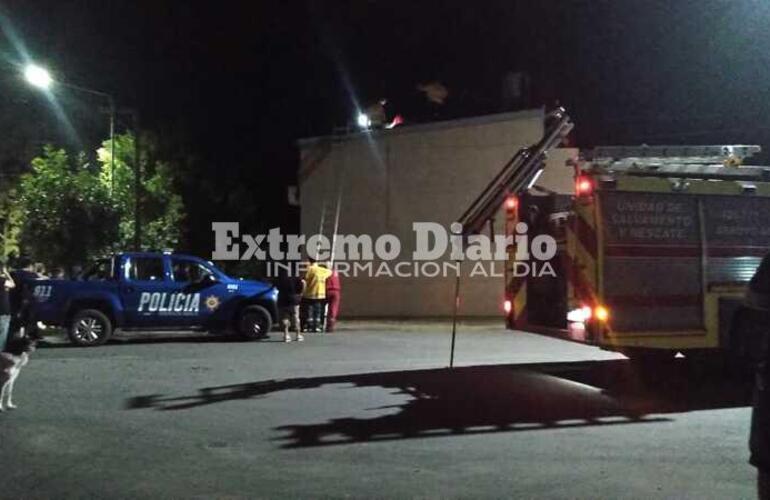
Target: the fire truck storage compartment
pixel 662 249
pixel 546 214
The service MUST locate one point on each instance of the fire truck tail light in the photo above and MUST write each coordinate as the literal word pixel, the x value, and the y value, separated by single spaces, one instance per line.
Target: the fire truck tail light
pixel 511 203
pixel 507 306
pixel 584 186
pixel 601 313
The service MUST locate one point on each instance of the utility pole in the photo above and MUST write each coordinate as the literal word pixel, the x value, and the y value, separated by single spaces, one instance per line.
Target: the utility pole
pixel 137 184
pixel 112 145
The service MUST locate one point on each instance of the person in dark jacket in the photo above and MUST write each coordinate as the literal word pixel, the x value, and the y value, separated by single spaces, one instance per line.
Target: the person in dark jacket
pixel 21 298
pixel 290 290
pixel 757 322
pixel 6 284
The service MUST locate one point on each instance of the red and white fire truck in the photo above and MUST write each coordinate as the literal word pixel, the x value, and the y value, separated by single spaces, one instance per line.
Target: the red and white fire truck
pixel 655 246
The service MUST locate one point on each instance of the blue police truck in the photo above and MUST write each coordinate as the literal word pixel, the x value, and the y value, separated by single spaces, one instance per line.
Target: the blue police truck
pixel 154 291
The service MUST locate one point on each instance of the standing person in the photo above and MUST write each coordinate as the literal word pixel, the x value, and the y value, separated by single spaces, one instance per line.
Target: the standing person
pixel 333 296
pixel 39 268
pixel 756 322
pixel 21 297
pixel 315 295
pixel 6 284
pixel 290 290
pixel 76 272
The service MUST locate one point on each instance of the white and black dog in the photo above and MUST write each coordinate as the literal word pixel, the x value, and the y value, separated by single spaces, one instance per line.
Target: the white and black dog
pixel 15 356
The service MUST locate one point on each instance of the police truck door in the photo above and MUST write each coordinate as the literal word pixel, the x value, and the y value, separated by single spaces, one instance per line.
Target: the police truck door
pixel 144 291
pixel 198 284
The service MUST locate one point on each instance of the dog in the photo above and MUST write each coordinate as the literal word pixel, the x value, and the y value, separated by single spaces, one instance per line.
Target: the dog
pixel 12 360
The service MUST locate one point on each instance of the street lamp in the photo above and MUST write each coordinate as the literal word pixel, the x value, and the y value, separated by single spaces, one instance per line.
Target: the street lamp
pixel 39 77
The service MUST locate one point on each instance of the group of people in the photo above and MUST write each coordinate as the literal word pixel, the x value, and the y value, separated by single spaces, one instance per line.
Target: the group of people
pixel 310 303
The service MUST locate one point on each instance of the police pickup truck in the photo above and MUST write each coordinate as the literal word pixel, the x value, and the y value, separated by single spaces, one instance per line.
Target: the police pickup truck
pixel 154 291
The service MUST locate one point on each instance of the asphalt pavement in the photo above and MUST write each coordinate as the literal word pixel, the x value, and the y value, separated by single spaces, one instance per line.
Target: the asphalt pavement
pixel 371 412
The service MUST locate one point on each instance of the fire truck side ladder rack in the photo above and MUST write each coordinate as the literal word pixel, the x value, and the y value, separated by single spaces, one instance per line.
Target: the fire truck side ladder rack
pixel 702 154
pixel 718 162
pixel 692 171
pixel 517 175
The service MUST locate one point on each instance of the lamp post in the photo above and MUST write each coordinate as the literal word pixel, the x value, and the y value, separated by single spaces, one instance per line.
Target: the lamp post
pixel 39 77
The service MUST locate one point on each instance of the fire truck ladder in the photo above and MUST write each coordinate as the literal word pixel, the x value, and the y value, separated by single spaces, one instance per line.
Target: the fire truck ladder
pixel 721 162
pixel 518 175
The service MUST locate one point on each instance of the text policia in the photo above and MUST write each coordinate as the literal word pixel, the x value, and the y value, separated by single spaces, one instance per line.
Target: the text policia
pixel 436 251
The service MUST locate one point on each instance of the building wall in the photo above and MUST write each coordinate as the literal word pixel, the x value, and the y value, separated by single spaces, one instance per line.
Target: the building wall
pixel 387 180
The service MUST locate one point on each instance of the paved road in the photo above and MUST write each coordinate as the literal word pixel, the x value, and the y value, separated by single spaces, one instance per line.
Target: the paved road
pixel 370 412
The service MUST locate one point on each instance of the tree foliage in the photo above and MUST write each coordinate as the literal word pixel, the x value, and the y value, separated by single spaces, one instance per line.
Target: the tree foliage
pixel 67 214
pixel 161 207
pixel 72 211
pixel 10 224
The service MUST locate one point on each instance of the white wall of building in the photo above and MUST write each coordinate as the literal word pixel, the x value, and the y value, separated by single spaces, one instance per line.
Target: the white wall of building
pixel 426 173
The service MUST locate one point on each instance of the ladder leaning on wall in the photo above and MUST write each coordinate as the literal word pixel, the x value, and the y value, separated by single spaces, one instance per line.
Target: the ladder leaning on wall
pixel 329 222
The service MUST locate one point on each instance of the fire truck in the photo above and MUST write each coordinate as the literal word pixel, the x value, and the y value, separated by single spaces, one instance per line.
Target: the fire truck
pixel 654 248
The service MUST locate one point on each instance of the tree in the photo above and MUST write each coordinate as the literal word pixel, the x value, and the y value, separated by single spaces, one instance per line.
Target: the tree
pixel 162 210
pixel 10 224
pixel 72 212
pixel 67 213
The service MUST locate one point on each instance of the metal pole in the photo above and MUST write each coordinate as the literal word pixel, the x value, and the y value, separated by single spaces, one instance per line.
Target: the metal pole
pixel 112 146
pixel 454 319
pixel 137 186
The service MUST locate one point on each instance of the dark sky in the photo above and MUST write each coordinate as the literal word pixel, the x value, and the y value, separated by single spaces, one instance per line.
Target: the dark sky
pixel 233 84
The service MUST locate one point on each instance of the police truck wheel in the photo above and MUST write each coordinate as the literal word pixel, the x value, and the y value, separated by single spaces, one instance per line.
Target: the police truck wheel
pixel 254 323
pixel 90 327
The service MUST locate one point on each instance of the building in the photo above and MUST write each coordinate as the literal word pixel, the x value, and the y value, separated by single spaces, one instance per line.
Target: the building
pixel 386 180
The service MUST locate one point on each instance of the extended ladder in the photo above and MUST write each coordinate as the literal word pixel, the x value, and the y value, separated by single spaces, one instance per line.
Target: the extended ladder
pixel 329 224
pixel 518 175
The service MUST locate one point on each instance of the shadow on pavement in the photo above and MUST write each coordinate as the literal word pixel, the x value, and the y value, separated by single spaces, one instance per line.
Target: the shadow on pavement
pixel 501 398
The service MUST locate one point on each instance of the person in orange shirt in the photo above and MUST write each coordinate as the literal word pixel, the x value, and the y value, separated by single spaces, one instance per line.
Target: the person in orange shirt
pixel 314 295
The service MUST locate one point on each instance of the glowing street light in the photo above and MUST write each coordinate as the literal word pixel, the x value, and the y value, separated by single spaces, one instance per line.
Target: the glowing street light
pixel 364 121
pixel 37 76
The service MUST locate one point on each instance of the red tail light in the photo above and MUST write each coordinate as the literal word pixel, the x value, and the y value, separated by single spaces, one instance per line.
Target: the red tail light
pixel 511 203
pixel 584 186
pixel 507 306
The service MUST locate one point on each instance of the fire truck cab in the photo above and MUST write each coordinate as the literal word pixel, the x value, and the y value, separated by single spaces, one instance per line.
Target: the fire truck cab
pixel 654 248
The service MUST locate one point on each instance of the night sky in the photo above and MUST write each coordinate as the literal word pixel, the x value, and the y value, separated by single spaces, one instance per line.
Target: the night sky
pixel 229 86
